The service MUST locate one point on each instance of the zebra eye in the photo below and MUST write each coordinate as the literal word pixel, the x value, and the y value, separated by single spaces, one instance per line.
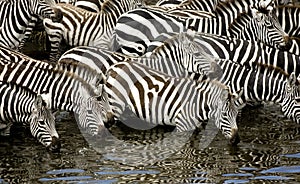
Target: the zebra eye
pixel 41 122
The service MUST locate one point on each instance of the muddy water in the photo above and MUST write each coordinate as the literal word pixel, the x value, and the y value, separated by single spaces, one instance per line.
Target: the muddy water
pixel 269 152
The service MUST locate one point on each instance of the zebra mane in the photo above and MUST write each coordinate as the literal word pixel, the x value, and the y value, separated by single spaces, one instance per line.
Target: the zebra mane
pixel 272 67
pixel 294 6
pixel 168 40
pixel 216 83
pixel 72 75
pixel 69 62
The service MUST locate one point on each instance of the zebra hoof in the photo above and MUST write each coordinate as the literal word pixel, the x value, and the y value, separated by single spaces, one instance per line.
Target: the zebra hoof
pixel 235 140
pixel 55 145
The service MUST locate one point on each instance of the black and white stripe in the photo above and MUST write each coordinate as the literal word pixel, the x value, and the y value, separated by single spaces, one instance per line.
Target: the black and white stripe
pixel 65 90
pixel 161 99
pixel 262 83
pixel 20 105
pixel 82 27
pixel 90 5
pixel 18 18
pixel 137 28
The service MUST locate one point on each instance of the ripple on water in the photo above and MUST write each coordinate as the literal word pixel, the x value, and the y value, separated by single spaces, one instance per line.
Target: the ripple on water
pixel 282 169
pixel 295 155
pixel 67 178
pixel 126 172
pixel 235 181
pixel 238 175
pixel 63 171
pixel 271 178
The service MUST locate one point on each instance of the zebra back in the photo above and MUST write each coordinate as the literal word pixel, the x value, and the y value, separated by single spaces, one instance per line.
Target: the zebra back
pixel 253 52
pixel 88 74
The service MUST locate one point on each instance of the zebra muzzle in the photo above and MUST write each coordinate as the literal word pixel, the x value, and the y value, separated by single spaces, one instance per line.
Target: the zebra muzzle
pixel 55 145
pixel 235 139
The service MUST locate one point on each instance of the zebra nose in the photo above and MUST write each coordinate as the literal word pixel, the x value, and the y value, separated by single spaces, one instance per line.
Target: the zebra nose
pixel 58 15
pixel 55 145
pixel 235 138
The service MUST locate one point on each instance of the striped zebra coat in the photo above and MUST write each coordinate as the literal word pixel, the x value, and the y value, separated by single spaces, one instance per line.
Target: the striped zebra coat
pixel 247 53
pixel 161 99
pixel 136 29
pixel 262 83
pixel 90 5
pixel 18 18
pixel 20 105
pixel 65 90
pixel 82 27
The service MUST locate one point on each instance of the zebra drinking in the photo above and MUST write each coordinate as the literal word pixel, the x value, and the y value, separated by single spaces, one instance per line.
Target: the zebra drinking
pixel 20 105
pixel 161 99
pixel 262 83
pixel 65 90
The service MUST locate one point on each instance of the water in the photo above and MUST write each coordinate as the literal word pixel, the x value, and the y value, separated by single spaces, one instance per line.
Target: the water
pixel 269 152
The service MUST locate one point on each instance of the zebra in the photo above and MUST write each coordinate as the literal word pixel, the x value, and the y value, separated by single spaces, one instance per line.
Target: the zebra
pixel 244 52
pixel 158 98
pixel 163 59
pixel 82 71
pixel 288 19
pixel 65 90
pixel 241 26
pixel 20 105
pixel 262 83
pixel 137 28
pixel 90 55
pixel 81 27
pixel 18 18
pixel 253 52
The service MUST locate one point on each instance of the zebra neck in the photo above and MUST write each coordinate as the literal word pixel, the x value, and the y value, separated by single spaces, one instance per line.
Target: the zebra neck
pixel 205 103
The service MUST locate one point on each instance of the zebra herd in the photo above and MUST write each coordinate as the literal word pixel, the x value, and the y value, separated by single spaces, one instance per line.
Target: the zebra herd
pixel 177 63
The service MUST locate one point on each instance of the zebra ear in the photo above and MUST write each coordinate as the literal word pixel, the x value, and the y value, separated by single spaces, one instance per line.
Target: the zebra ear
pixel 292 79
pixel 224 94
pixel 38 103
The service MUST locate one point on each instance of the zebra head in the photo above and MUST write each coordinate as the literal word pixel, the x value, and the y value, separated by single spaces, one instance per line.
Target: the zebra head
pixel 45 9
pixel 91 111
pixel 42 125
pixel 225 114
pixel 291 105
pixel 267 28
